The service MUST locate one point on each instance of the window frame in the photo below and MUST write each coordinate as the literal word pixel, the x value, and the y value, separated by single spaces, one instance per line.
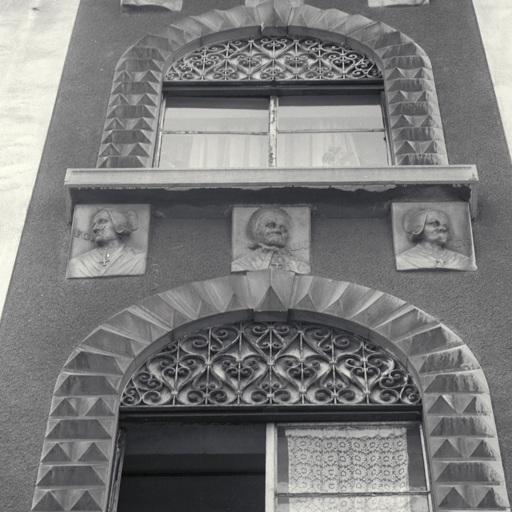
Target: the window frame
pixel 271 453
pixel 274 90
pixel 271 445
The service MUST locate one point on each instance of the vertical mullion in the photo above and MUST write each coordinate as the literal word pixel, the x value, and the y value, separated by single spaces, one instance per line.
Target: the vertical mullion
pixel 239 363
pixel 301 359
pixel 426 468
pixel 208 361
pixel 387 129
pixel 176 373
pixel 333 369
pixel 159 135
pixel 272 131
pixel 115 483
pixel 270 468
pixel 365 370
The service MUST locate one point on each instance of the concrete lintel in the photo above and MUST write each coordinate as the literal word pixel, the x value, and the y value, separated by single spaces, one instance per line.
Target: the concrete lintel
pixel 373 179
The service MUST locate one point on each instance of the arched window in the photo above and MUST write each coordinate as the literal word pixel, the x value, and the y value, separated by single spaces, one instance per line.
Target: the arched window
pixel 77 461
pixel 273 101
pixel 272 416
pixel 131 127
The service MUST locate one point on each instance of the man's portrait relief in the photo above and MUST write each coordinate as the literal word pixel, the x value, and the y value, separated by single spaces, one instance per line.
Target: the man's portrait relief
pixel 109 240
pixel 271 237
pixel 433 236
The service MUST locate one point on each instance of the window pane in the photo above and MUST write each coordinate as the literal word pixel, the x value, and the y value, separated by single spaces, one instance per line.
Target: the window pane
pixel 233 493
pixel 198 467
pixel 213 151
pixel 241 115
pixel 331 149
pixel 354 504
pixel 330 112
pixel 349 460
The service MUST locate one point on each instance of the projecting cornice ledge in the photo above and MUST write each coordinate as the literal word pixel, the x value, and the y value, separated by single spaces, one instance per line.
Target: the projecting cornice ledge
pixel 356 188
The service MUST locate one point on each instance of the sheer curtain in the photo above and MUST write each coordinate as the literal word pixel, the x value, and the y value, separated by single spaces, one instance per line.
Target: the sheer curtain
pixel 320 150
pixel 349 460
pixel 210 151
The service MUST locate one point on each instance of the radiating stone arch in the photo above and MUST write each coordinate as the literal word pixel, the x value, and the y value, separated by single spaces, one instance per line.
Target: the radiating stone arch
pixel 78 450
pixel 413 112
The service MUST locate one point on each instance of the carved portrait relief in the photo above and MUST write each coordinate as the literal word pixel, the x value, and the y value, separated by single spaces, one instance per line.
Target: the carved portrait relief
pixel 271 237
pixel 433 236
pixel 109 240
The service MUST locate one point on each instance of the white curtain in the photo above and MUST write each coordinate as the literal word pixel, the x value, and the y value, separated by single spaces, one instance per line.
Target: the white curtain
pixel 210 151
pixel 318 150
pixel 348 460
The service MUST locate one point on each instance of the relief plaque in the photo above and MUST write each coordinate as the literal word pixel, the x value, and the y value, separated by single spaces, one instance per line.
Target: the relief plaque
pixel 433 236
pixel 109 240
pixel 271 236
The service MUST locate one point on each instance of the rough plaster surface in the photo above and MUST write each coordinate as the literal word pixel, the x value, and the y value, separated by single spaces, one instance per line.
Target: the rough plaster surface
pixel 46 316
pixel 34 37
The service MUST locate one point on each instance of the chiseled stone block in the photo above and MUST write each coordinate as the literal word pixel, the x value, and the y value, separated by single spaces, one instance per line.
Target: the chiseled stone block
pixel 111 342
pixel 101 408
pixel 79 385
pixel 59 476
pixel 477 472
pixel 97 363
pixel 46 503
pixel 457 426
pixel 389 3
pixel 379 311
pixel 454 359
pixel 456 404
pixel 130 323
pixel 456 383
pixel 79 429
pixel 87 502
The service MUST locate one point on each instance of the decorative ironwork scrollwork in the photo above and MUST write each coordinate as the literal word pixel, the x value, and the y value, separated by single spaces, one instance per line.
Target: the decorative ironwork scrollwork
pixel 270 363
pixel 274 58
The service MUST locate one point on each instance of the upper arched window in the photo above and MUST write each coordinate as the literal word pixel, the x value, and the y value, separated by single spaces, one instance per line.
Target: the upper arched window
pixel 273 101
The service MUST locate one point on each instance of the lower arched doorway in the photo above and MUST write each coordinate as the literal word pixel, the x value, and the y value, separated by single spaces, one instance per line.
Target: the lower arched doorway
pixel 79 452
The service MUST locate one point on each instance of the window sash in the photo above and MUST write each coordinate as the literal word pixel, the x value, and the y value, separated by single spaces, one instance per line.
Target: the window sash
pixel 273 495
pixel 275 139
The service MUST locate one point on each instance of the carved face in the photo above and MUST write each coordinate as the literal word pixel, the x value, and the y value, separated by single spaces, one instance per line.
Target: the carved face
pixel 103 228
pixel 436 228
pixel 272 229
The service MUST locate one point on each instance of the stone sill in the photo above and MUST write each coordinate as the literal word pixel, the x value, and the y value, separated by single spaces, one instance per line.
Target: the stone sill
pixel 450 182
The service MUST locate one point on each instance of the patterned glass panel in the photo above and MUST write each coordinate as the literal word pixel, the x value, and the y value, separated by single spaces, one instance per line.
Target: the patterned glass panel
pixel 270 363
pixel 362 468
pixel 274 58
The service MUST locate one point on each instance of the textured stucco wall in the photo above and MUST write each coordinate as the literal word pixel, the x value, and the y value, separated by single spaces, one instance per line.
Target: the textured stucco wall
pixel 46 316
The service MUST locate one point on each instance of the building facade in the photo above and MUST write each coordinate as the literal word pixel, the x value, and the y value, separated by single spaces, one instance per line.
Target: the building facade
pixel 228 238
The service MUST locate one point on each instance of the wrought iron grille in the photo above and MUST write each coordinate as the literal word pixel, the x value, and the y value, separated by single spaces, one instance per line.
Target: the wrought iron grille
pixel 270 363
pixel 274 58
